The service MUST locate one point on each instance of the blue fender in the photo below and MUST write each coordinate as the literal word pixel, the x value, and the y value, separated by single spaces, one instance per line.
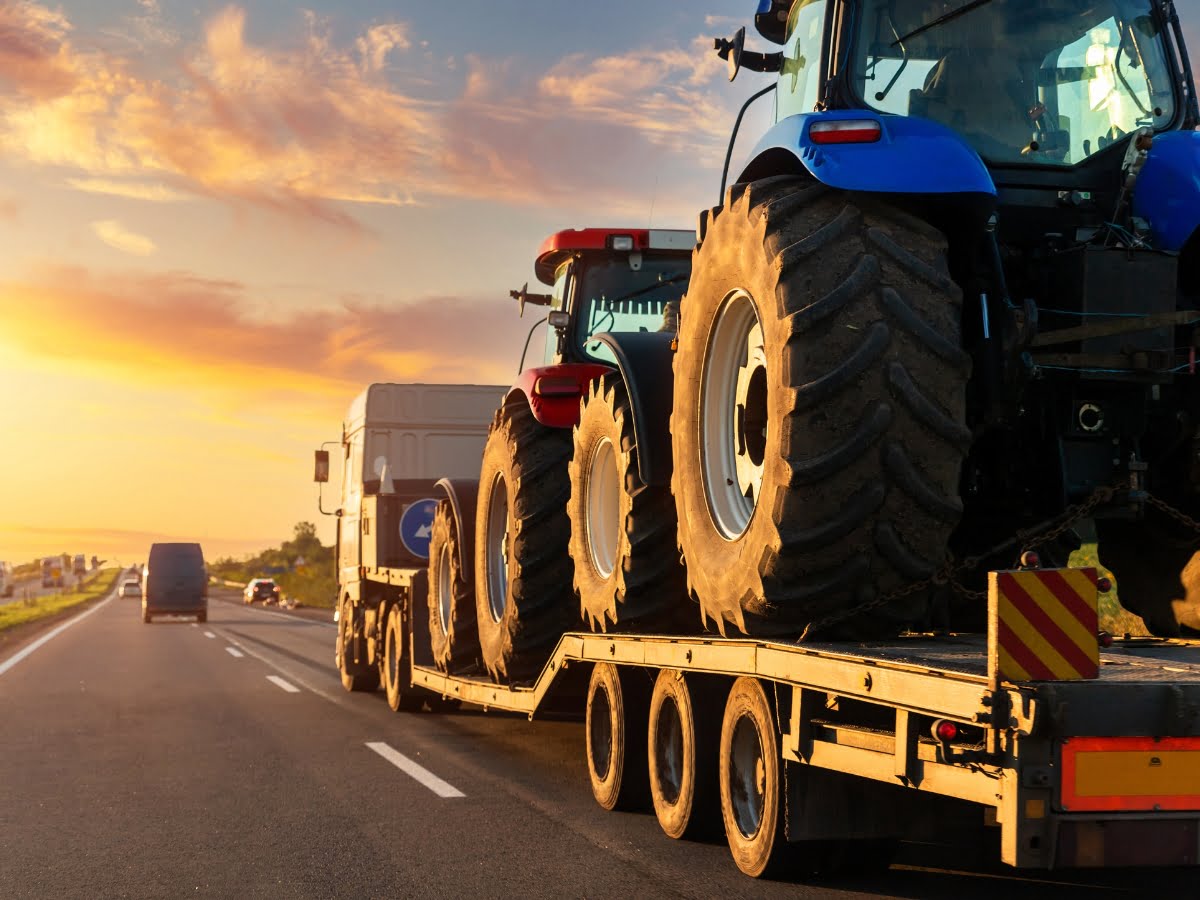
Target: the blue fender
pixel 912 156
pixel 644 359
pixel 1167 192
pixel 462 493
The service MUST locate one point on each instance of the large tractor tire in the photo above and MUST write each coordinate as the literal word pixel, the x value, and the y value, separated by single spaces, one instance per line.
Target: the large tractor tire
pixel 453 630
pixel 819 420
pixel 523 596
pixel 627 570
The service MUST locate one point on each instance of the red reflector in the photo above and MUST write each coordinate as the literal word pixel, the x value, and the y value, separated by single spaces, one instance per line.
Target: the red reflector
pixel 1103 585
pixel 846 131
pixel 1106 639
pixel 556 386
pixel 1030 560
pixel 945 731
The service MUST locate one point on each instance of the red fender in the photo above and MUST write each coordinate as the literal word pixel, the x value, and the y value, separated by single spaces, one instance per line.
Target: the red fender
pixel 554 392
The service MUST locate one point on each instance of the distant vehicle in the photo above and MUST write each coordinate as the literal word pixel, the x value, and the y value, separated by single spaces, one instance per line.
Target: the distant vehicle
pixel 130 588
pixel 7 581
pixel 79 567
pixel 263 589
pixel 175 582
pixel 52 572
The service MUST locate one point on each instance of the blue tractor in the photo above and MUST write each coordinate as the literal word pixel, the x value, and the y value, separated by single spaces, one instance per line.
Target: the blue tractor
pixel 947 312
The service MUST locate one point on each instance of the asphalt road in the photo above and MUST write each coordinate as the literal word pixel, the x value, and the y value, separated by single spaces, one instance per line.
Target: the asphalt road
pixel 224 759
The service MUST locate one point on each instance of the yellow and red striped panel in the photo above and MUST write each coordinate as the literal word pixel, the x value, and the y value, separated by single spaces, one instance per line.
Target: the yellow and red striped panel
pixel 1043 624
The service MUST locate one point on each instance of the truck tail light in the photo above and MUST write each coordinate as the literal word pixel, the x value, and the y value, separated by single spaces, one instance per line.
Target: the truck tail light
pixel 845 131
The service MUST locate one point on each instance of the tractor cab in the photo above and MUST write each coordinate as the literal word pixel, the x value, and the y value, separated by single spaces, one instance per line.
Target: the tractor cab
pixel 610 280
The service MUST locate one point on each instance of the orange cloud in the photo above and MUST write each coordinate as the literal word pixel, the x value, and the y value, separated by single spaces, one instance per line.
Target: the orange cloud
pixel 178 329
pixel 121 238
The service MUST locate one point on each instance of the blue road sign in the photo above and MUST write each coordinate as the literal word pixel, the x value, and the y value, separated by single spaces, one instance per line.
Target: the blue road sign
pixel 416 525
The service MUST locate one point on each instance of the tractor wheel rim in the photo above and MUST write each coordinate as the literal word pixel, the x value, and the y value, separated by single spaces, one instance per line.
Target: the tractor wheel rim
pixel 733 415
pixel 747 777
pixel 600 734
pixel 497 548
pixel 668 751
pixel 603 517
pixel 445 593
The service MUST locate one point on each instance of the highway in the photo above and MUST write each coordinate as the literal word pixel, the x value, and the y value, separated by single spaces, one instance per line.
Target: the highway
pixel 225 760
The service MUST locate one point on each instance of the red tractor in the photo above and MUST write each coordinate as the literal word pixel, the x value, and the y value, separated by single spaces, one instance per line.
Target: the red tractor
pixel 574 489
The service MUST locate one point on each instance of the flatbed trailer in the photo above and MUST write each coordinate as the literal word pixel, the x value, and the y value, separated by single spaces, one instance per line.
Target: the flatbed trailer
pixel 908 737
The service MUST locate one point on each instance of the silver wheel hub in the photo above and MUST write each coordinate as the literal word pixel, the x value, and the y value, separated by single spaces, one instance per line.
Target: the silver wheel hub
pixel 733 415
pixel 603 508
pixel 497 548
pixel 747 778
pixel 445 589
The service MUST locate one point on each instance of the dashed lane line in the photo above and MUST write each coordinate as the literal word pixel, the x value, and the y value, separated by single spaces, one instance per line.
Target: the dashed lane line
pixel 249 651
pixel 234 652
pixel 286 685
pixel 209 634
pixel 415 770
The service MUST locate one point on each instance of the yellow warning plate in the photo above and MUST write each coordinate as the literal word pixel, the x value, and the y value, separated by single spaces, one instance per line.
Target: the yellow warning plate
pixel 1130 773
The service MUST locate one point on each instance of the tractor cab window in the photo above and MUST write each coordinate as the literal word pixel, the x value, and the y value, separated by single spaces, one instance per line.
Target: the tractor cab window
pixel 798 78
pixel 1023 81
pixel 611 296
pixel 558 300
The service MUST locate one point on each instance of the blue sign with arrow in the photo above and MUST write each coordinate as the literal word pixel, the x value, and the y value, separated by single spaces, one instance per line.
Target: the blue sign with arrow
pixel 416 526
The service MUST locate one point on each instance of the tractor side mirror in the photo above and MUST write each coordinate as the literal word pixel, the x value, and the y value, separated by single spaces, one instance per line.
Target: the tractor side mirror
pixel 523 296
pixel 731 50
pixel 321 466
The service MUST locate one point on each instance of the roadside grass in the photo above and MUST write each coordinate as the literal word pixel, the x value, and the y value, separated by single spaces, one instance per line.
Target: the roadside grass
pixel 311 587
pixel 22 611
pixel 1114 618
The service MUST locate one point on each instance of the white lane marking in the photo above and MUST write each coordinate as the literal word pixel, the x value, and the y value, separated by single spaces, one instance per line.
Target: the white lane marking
pixel 415 770
pixel 286 685
pixel 235 652
pixel 21 654
pixel 209 634
pixel 194 625
pixel 339 699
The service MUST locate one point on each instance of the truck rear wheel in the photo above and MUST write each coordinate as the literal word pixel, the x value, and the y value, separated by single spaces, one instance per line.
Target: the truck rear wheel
pixel 683 741
pixel 453 631
pixel 818 426
pixel 356 676
pixel 627 569
pixel 397 665
pixel 523 596
pixel 615 730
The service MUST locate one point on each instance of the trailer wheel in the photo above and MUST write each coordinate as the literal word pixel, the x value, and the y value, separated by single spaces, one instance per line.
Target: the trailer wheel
pixel 627 570
pixel 819 416
pixel 615 735
pixel 397 665
pixel 750 780
pixel 683 743
pixel 355 676
pixel 523 596
pixel 453 631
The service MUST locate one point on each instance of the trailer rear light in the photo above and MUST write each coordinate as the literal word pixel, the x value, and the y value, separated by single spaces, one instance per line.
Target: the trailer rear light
pixel 1105 639
pixel 945 731
pixel 1103 584
pixel 556 386
pixel 621 242
pixel 1030 560
pixel 845 131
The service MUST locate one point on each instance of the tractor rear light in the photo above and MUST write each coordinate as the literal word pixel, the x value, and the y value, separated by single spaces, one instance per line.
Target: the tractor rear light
pixel 845 131
pixel 621 242
pixel 1030 560
pixel 1103 584
pixel 945 731
pixel 556 386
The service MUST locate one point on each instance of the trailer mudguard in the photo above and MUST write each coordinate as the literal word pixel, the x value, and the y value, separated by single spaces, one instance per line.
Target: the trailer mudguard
pixel 644 360
pixel 1167 192
pixel 553 392
pixel 911 156
pixel 462 493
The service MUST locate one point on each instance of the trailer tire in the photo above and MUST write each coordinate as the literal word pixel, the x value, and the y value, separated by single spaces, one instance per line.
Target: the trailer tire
pixel 453 629
pixel 397 665
pixel 523 597
pixel 819 414
pixel 683 740
pixel 355 676
pixel 627 570
pixel 615 730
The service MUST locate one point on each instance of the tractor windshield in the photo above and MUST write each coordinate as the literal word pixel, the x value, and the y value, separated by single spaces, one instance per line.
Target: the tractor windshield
pixel 1045 82
pixel 612 297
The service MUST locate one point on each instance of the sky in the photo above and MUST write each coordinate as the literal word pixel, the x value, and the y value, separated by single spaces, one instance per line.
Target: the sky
pixel 220 221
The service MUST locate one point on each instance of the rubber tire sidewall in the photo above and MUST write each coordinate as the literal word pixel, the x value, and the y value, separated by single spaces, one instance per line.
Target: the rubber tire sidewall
pixel 758 855
pixel 697 809
pixel 398 685
pixel 623 786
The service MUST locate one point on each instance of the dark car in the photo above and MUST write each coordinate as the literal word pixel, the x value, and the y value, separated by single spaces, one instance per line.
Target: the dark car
pixel 175 582
pixel 262 589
